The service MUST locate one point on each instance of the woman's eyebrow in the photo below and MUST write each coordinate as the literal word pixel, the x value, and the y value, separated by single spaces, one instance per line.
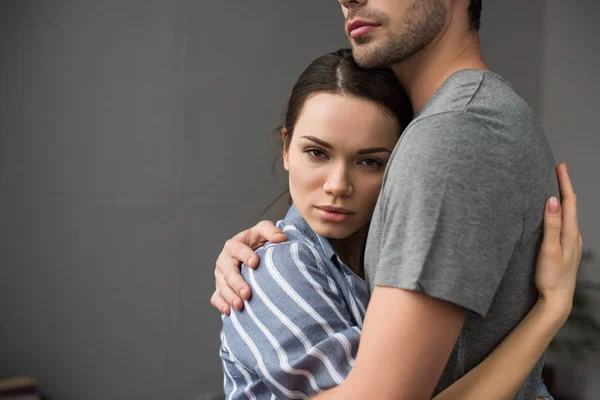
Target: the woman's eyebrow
pixel 374 150
pixel 369 150
pixel 318 141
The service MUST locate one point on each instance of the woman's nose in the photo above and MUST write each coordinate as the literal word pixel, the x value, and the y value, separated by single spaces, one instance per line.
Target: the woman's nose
pixel 338 183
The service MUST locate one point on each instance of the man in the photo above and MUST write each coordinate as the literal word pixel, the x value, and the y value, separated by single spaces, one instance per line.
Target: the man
pixel 451 251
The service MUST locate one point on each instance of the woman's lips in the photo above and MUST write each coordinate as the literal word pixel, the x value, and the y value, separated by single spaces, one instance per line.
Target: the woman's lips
pixel 333 215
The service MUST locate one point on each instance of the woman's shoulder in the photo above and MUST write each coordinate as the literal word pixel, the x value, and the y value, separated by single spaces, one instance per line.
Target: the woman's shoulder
pixel 298 233
pixel 286 258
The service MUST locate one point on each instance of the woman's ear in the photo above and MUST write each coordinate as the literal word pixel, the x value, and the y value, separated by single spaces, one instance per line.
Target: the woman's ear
pixel 284 135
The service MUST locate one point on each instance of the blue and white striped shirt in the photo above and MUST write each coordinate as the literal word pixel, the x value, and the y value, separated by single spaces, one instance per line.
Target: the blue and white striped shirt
pixel 298 335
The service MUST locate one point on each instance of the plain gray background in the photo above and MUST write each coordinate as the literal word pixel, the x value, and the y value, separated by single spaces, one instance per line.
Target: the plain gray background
pixel 135 139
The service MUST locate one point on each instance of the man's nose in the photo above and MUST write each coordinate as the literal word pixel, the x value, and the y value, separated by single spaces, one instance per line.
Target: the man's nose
pixel 350 4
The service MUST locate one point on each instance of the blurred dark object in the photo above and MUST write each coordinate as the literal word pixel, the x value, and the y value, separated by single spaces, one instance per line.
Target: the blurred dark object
pixel 579 339
pixel 19 388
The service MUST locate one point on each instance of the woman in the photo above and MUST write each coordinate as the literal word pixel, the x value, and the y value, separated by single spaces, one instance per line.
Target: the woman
pixel 299 333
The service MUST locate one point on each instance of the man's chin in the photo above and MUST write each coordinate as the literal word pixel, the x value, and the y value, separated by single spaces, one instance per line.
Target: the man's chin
pixel 367 57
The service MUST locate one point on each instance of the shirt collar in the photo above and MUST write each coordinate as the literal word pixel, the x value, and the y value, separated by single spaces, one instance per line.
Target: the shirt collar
pixel 294 216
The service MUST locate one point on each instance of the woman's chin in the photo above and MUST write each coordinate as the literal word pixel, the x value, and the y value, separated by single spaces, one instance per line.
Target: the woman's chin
pixel 337 231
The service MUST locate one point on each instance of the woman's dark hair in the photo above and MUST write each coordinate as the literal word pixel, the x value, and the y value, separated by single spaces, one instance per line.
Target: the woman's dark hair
pixel 338 73
pixel 475 14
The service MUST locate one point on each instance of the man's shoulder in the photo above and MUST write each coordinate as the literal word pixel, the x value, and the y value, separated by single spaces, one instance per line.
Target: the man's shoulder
pixel 480 95
pixel 451 136
pixel 475 108
pixel 454 94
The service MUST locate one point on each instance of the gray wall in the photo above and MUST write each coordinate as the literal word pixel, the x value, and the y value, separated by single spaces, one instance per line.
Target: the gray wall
pixel 570 106
pixel 134 139
pixel 571 101
pixel 511 39
pixel 238 72
pixel 90 190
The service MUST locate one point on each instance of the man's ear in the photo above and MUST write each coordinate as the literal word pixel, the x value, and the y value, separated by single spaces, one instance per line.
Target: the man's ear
pixel 284 135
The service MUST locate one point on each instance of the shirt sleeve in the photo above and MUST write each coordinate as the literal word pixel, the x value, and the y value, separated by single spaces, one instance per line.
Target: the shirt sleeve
pixel 296 334
pixel 452 211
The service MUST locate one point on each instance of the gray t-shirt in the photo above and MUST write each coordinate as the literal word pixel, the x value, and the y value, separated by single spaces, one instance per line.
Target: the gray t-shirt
pixel 460 214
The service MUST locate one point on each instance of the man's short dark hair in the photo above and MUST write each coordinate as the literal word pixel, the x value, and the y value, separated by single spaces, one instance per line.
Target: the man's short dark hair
pixel 474 11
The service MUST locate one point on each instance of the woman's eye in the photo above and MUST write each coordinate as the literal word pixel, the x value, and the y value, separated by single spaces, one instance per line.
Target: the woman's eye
pixel 316 153
pixel 371 163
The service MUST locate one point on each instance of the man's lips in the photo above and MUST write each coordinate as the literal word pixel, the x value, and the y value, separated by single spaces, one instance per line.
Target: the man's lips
pixel 359 27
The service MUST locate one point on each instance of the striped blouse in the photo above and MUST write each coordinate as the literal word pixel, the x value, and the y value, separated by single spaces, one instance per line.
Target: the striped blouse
pixel 298 334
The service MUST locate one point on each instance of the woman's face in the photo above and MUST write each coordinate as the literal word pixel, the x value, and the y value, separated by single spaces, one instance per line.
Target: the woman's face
pixel 336 159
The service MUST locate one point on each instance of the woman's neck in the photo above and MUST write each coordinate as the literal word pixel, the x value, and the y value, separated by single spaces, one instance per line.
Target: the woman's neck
pixel 351 250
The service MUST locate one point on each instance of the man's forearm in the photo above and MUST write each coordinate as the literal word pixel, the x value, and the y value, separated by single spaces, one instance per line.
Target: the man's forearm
pixel 406 341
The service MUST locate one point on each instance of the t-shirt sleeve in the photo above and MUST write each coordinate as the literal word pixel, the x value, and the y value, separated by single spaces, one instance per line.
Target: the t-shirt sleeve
pixel 452 211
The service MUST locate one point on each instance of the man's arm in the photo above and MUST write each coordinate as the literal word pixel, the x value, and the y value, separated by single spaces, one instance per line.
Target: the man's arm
pixel 406 342
pixel 450 216
pixel 502 373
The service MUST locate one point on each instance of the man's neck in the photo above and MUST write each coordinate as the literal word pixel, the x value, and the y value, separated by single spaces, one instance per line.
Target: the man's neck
pixel 454 50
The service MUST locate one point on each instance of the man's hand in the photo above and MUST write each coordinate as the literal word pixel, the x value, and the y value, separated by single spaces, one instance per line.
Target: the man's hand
pixel 231 288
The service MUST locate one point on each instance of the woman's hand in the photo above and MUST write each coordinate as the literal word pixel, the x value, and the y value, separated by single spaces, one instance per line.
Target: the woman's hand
pixel 560 253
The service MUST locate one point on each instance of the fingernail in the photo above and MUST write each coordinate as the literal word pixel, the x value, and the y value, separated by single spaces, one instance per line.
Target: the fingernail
pixel 566 169
pixel 237 304
pixel 554 206
pixel 250 262
pixel 224 310
pixel 243 293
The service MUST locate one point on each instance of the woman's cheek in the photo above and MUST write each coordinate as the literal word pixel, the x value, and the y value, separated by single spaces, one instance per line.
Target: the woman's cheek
pixel 372 192
pixel 304 181
pixel 307 175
